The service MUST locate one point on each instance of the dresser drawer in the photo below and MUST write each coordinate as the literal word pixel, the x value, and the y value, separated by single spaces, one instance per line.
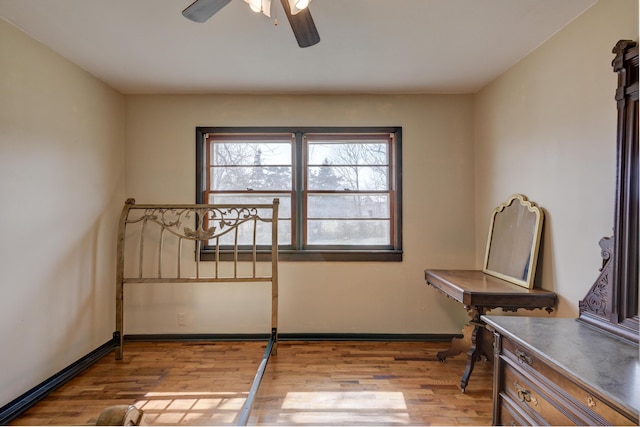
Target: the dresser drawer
pixel 596 410
pixel 511 415
pixel 532 400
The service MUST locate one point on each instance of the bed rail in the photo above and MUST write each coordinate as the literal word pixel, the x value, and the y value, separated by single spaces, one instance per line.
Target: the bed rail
pixel 163 244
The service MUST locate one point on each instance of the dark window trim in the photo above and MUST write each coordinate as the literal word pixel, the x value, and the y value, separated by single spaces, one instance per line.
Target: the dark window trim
pixel 287 253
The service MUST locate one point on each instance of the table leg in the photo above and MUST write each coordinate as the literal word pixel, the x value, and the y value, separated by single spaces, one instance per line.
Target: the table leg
pixel 473 355
pixel 473 337
pixel 476 349
pixel 458 345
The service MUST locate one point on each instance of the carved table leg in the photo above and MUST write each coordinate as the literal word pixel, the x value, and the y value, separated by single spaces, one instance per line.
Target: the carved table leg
pixel 473 355
pixel 476 349
pixel 458 345
pixel 474 336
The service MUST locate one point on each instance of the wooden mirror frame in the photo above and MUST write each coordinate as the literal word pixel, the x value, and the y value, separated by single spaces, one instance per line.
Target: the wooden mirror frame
pixel 612 302
pixel 523 235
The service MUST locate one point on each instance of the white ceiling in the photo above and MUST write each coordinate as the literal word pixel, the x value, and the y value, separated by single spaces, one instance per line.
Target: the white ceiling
pixel 367 46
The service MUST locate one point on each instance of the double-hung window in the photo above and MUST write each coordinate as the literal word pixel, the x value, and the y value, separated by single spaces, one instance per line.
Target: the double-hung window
pixel 340 189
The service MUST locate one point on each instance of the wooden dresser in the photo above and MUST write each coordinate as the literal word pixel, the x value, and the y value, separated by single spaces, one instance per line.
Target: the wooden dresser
pixel 562 372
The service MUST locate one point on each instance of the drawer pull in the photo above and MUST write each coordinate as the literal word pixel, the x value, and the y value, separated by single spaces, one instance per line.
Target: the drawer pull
pixel 523 357
pixel 525 395
pixel 591 402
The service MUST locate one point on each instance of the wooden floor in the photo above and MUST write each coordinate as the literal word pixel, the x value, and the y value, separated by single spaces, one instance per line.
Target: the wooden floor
pixel 307 383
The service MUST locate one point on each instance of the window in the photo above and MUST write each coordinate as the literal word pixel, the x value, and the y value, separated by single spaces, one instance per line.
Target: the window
pixel 339 188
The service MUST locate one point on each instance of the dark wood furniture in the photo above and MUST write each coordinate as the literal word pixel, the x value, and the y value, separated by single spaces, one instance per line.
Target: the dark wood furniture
pixel 612 302
pixel 584 371
pixel 551 371
pixel 480 292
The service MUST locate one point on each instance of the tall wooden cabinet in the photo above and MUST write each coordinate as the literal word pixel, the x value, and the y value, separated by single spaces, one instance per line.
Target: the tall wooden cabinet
pixel 584 371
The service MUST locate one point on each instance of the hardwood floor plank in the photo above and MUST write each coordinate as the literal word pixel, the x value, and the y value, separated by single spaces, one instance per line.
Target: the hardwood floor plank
pixel 307 383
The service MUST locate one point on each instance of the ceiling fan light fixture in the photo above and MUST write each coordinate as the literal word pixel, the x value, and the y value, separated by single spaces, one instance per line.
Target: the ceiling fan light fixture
pixel 298 5
pixel 301 22
pixel 256 5
pixel 260 6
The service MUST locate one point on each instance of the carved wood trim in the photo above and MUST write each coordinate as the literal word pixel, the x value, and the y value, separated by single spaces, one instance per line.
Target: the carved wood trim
pixel 597 302
pixel 612 302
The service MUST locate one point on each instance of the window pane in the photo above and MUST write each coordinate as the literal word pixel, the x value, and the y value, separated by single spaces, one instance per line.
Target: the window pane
pixel 258 178
pixel 348 206
pixel 251 153
pixel 348 232
pixel 354 153
pixel 284 214
pixel 337 186
pixel 348 178
pixel 263 236
pixel 245 236
pixel 284 210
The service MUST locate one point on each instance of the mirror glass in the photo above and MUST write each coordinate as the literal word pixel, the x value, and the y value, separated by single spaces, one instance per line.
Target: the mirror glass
pixel 514 237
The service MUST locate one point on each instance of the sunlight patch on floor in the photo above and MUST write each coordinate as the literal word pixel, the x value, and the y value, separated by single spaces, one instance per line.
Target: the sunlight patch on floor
pixel 172 408
pixel 344 400
pixel 315 407
pixel 344 418
pixel 335 407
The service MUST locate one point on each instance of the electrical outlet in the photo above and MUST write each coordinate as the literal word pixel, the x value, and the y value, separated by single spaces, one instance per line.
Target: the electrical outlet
pixel 182 321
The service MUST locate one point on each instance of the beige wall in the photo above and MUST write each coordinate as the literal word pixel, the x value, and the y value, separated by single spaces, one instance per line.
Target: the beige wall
pixel 546 128
pixel 316 296
pixel 61 186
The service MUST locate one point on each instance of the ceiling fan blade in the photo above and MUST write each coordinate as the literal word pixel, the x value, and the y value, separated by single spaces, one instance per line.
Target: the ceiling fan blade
pixel 201 10
pixel 302 25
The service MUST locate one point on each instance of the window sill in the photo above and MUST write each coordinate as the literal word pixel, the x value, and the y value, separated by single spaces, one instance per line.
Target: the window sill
pixel 337 255
pixel 313 255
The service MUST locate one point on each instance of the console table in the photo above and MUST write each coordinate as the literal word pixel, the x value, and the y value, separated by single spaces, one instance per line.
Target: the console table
pixel 479 293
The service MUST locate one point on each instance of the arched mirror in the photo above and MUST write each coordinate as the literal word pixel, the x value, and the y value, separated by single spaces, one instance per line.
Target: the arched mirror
pixel 612 302
pixel 513 242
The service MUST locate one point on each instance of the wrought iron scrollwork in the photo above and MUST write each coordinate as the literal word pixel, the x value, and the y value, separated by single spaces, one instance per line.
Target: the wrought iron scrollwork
pixel 209 222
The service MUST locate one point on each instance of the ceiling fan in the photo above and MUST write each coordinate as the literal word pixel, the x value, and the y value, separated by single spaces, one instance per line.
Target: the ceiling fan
pixel 297 13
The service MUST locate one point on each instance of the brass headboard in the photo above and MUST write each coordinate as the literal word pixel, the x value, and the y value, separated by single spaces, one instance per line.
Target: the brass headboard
pixel 156 244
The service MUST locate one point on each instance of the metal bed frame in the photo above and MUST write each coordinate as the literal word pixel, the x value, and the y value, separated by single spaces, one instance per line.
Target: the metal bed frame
pixel 155 252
